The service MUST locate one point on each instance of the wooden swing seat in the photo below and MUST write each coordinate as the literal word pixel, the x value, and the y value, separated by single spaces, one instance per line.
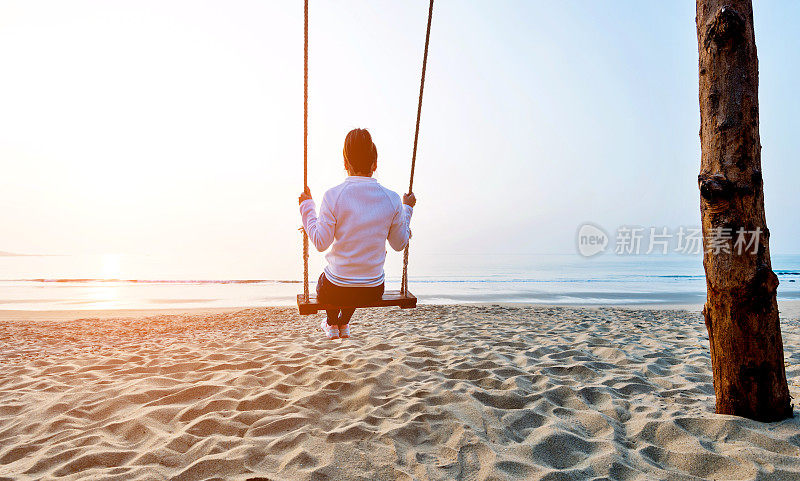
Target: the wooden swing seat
pixel 389 298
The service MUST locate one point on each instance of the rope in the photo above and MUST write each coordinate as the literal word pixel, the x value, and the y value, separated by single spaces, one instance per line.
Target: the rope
pixel 305 146
pixel 404 280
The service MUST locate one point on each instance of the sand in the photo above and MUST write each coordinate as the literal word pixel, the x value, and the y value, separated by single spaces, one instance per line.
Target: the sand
pixel 439 392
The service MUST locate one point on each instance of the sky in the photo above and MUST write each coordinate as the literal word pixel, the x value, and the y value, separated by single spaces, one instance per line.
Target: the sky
pixel 157 127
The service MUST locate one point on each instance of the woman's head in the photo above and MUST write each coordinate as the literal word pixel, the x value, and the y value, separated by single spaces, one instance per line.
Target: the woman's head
pixel 360 153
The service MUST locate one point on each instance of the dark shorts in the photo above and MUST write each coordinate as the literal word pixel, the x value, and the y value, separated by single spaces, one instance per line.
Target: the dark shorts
pixel 330 293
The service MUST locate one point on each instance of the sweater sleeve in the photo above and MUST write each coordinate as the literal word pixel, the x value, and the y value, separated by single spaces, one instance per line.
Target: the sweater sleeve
pixel 400 230
pixel 320 229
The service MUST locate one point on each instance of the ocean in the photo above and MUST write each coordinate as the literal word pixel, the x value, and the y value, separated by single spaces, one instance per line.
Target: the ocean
pixel 149 282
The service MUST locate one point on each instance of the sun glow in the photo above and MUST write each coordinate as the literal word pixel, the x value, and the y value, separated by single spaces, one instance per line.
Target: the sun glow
pixel 111 266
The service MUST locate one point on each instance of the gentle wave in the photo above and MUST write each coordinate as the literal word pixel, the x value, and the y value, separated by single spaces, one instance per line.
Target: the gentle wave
pixel 312 281
pixel 163 281
pixel 416 279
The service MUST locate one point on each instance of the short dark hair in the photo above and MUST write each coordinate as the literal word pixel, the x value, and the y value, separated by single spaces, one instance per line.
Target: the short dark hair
pixel 359 151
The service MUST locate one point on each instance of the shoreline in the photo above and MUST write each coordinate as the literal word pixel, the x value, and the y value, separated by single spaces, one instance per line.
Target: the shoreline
pixel 788 310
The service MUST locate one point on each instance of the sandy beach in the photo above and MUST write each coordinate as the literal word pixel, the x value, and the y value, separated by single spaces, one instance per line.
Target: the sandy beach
pixel 435 393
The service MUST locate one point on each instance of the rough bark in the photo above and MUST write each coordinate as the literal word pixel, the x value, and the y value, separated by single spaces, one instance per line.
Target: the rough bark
pixel 741 312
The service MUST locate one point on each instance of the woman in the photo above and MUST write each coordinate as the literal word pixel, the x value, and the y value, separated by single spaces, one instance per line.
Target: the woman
pixel 357 216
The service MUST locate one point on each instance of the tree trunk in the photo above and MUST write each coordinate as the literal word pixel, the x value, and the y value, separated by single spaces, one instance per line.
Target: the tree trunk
pixel 741 311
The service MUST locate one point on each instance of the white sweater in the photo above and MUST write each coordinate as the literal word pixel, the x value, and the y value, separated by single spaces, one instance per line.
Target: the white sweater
pixel 361 215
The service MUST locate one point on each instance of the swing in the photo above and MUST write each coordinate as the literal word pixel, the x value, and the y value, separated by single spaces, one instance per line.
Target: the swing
pixel 308 303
